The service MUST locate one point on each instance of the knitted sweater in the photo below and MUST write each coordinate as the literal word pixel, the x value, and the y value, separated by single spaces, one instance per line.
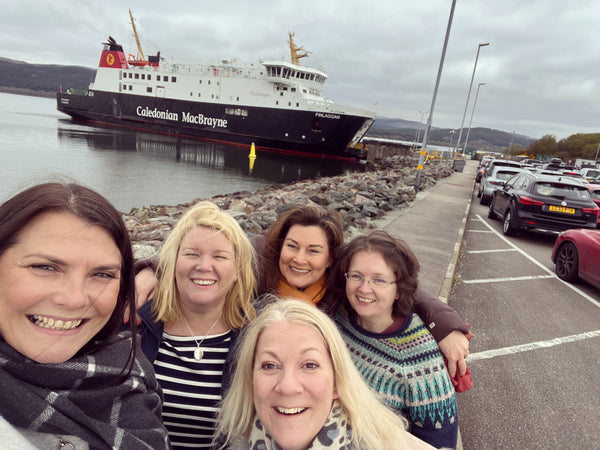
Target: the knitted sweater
pixel 406 369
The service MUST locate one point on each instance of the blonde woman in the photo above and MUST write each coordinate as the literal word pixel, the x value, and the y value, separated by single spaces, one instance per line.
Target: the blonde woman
pixel 295 387
pixel 205 288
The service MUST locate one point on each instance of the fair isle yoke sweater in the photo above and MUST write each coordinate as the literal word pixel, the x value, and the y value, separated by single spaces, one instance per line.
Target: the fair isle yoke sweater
pixel 406 369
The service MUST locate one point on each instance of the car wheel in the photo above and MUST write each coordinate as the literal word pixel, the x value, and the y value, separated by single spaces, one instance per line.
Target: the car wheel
pixel 567 262
pixel 479 192
pixel 491 213
pixel 507 227
pixel 484 200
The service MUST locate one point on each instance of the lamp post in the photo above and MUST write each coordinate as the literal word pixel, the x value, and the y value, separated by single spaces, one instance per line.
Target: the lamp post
pixel 452 133
pixel 468 97
pixel 471 120
pixel 419 128
pixel 435 91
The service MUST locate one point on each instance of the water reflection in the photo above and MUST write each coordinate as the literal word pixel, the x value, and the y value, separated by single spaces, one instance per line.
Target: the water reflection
pixel 230 159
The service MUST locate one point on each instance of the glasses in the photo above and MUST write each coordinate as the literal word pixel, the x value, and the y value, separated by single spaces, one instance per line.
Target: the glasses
pixel 358 279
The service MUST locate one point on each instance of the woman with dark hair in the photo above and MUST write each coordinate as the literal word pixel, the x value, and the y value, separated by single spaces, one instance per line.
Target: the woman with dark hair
pixel 66 278
pixel 374 284
pixel 298 251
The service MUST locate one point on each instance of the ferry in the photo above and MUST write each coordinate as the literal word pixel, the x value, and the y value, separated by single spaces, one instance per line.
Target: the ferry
pixel 275 105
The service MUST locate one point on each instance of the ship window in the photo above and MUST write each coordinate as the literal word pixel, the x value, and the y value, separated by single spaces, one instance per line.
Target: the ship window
pixel 165 78
pixel 191 94
pixel 149 77
pixel 229 111
pixel 174 79
pixel 148 89
pixel 244 112
pixel 237 98
pixel 198 94
pixel 143 76
pixel 281 93
pixel 130 87
pixel 238 112
pixel 276 102
pixel 200 81
pixel 137 76
pixel 304 91
pixel 293 89
pixel 297 105
pixel 289 103
pixel 208 81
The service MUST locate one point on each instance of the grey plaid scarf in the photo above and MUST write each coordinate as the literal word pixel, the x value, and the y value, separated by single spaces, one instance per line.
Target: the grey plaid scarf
pixel 85 397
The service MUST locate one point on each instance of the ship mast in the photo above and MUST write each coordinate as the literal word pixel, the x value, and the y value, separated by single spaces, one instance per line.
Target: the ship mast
pixel 296 52
pixel 137 40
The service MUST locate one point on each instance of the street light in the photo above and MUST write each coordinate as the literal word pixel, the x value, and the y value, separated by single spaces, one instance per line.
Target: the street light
pixel 471 120
pixel 435 91
pixel 419 128
pixel 468 97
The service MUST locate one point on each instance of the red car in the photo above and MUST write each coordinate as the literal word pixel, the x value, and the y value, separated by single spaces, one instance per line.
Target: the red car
pixel 576 254
pixel 595 190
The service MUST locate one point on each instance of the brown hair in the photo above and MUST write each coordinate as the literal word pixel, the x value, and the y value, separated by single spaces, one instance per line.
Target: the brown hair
pixel 329 221
pixel 396 253
pixel 92 208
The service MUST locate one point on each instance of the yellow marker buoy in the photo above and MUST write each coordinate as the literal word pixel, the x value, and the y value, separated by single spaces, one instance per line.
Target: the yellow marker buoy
pixel 252 156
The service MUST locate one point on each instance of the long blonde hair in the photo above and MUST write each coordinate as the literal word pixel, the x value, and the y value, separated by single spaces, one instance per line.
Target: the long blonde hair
pixel 373 425
pixel 238 309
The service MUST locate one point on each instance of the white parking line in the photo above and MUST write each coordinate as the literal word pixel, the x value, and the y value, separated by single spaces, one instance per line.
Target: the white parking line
pixel 539 264
pixel 479 231
pixel 532 346
pixel 492 251
pixel 496 280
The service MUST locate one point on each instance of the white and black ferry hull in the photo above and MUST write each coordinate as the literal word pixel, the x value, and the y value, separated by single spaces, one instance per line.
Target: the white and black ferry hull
pixel 308 133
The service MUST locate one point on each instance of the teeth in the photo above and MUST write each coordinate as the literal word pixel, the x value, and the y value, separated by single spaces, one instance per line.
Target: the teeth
pixel 204 282
pixel 294 269
pixel 289 410
pixel 366 300
pixel 50 323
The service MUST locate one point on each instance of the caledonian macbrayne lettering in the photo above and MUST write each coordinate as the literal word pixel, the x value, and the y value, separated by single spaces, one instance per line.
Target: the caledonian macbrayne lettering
pixel 198 119
pixel 156 113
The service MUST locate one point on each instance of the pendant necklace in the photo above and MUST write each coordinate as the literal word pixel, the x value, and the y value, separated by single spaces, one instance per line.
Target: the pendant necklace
pixel 198 353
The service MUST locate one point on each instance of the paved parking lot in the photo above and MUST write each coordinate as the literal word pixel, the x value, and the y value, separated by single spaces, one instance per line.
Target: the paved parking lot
pixel 534 355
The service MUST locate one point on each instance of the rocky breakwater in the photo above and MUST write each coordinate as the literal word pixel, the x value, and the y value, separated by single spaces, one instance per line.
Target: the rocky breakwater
pixel 360 197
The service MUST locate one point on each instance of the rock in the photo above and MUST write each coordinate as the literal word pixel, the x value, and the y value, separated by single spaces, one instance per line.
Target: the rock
pixel 360 198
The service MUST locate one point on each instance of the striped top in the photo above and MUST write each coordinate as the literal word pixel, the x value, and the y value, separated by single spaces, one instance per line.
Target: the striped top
pixel 406 369
pixel 192 389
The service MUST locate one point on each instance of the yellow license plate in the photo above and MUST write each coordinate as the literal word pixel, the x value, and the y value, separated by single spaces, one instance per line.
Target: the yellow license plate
pixel 561 209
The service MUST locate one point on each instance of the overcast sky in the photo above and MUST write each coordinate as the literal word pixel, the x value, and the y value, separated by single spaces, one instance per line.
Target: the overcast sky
pixel 540 70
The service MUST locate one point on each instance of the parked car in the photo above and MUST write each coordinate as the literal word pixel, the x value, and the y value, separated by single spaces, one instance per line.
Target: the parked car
pixel 501 162
pixel 543 202
pixel 595 190
pixel 576 254
pixel 591 175
pixel 489 183
pixel 482 166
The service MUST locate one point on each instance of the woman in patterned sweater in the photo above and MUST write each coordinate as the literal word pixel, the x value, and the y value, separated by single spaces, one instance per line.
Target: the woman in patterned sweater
pixel 375 280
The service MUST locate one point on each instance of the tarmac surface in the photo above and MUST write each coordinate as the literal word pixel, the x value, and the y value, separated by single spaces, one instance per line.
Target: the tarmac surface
pixel 433 226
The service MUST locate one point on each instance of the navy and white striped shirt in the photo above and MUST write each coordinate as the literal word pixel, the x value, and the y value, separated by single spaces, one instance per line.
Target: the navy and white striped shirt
pixel 192 389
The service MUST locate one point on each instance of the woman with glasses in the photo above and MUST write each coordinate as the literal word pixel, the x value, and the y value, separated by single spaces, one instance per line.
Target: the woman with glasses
pixel 374 282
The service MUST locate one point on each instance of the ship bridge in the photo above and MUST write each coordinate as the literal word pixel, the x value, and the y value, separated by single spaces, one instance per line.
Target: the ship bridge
pixel 291 74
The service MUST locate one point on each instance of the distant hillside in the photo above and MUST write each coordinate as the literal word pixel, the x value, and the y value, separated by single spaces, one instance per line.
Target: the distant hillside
pixel 45 80
pixel 40 79
pixel 479 138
